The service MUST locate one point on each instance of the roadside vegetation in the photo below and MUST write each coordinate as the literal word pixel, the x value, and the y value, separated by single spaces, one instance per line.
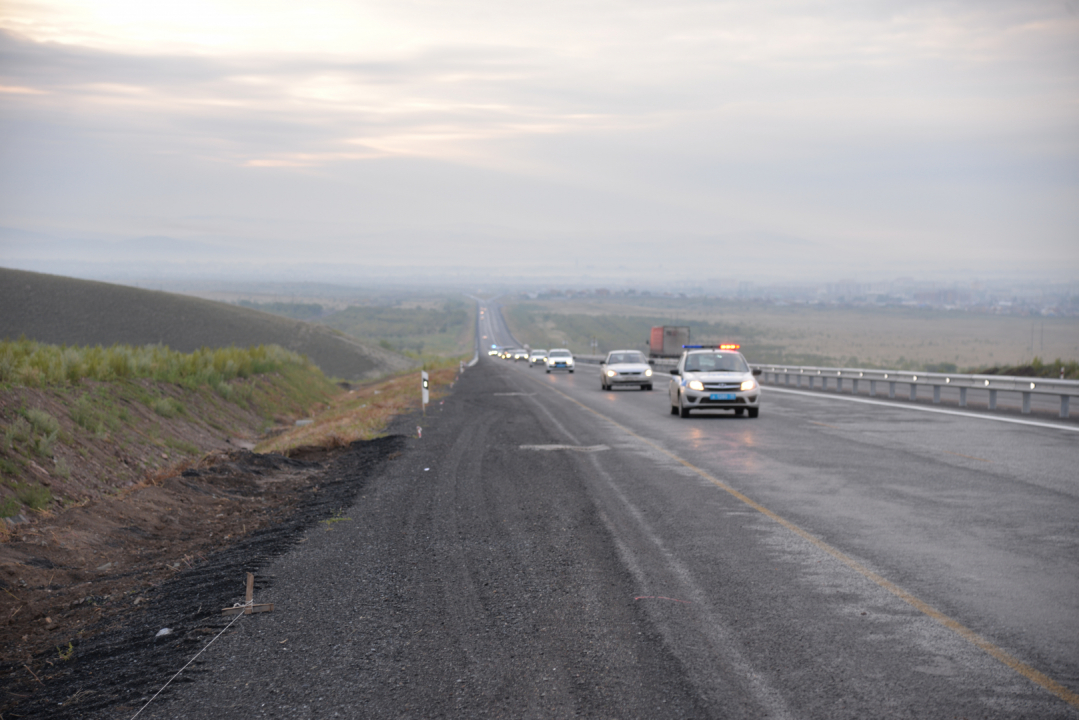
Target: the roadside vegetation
pixel 33 364
pixel 77 423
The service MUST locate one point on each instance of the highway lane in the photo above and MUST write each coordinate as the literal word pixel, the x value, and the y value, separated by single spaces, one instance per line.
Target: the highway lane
pixel 975 519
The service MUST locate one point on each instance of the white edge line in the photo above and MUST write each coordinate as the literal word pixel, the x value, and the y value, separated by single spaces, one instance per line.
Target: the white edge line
pixel 942 411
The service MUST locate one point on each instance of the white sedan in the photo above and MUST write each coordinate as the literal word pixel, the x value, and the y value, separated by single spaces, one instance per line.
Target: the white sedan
pixel 559 359
pixel 625 367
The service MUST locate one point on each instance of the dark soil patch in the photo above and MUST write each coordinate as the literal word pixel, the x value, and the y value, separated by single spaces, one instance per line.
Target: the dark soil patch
pixel 108 610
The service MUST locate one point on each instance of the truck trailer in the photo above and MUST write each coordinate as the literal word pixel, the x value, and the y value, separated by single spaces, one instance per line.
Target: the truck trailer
pixel 667 341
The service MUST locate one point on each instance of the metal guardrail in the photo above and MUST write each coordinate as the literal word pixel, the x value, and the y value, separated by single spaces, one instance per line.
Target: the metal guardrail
pixel 1028 386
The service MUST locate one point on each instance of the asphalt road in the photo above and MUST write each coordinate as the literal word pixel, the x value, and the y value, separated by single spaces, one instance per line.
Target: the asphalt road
pixel 551 550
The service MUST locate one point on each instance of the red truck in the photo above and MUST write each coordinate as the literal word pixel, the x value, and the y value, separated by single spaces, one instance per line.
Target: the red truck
pixel 667 341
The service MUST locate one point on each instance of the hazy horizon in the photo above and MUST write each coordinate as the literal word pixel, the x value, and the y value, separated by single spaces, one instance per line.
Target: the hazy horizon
pixel 577 142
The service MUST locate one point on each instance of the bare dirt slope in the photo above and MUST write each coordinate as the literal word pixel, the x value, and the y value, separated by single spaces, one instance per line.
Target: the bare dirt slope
pixel 62 310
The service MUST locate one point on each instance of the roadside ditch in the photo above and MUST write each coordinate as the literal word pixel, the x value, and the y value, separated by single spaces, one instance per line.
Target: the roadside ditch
pixel 108 655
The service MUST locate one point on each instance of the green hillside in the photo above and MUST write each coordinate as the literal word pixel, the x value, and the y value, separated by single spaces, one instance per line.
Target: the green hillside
pixel 62 310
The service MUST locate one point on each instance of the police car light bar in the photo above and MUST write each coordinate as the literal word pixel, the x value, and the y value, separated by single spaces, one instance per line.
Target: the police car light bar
pixel 724 346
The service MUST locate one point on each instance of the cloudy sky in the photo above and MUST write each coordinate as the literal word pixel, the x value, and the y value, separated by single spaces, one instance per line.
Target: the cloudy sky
pixel 769 139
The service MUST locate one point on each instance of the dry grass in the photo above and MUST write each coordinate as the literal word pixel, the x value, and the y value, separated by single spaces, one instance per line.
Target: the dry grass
pixel 363 413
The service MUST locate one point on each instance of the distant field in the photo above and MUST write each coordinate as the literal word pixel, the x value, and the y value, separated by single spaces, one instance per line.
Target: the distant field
pixel 434 327
pixel 60 310
pixel 810 335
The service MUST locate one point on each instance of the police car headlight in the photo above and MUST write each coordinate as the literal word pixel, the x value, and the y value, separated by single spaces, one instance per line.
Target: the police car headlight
pixel 696 385
pixel 749 385
pixel 611 373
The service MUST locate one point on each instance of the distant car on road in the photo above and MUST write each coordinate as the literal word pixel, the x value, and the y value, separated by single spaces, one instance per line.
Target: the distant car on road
pixel 714 378
pixel 506 354
pixel 625 367
pixel 495 351
pixel 537 357
pixel 520 354
pixel 559 359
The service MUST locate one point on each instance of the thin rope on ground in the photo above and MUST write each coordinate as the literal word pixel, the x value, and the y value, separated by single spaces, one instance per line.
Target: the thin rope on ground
pixel 200 652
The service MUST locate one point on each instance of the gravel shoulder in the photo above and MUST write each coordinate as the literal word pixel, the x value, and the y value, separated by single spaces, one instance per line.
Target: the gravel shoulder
pixel 468 579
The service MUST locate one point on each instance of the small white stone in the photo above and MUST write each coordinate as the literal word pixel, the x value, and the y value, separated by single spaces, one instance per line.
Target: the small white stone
pixel 163 631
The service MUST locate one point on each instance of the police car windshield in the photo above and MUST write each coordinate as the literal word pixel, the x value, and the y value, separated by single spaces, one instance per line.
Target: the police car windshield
pixel 715 362
pixel 626 357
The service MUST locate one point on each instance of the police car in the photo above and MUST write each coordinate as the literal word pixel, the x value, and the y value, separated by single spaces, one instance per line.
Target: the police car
pixel 714 377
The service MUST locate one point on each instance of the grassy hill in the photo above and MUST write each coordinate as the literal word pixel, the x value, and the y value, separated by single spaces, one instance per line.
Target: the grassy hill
pixel 61 310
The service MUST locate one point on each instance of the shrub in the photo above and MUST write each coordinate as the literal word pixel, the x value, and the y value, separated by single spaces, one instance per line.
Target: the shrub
pixel 63 469
pixel 42 421
pixel 85 416
pixel 42 444
pixel 18 431
pixel 35 497
pixel 167 407
pixel 224 390
pixel 9 507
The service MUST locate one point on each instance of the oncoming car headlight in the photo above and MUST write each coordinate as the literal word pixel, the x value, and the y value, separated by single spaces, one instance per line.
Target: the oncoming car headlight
pixel 611 373
pixel 648 372
pixel 749 385
pixel 696 385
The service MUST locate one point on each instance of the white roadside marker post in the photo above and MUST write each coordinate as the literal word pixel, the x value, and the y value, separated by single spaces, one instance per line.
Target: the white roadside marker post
pixel 425 393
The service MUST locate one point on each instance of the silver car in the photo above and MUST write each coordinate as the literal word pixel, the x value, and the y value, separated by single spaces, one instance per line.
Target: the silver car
pixel 538 357
pixel 714 379
pixel 625 367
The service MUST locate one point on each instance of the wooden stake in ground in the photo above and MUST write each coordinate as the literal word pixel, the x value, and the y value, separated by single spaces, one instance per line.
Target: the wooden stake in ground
pixel 249 605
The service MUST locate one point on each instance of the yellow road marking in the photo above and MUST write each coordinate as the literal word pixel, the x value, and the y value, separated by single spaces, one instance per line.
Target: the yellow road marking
pixel 955 626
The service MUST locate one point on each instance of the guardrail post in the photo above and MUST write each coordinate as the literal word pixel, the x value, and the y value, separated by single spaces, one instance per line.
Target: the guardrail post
pixel 913 391
pixel 787 377
pixel 891 390
pixel 1063 406
pixel 854 391
pixel 962 397
pixel 839 384
pixel 872 388
pixel 936 394
pixel 824 383
pixel 811 379
pixel 799 379
pixel 1026 403
pixel 992 399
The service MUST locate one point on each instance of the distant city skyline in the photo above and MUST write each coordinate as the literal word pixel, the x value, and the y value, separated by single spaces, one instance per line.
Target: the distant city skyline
pixel 769 142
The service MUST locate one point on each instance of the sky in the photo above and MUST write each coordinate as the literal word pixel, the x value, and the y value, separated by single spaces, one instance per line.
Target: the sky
pixel 778 140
